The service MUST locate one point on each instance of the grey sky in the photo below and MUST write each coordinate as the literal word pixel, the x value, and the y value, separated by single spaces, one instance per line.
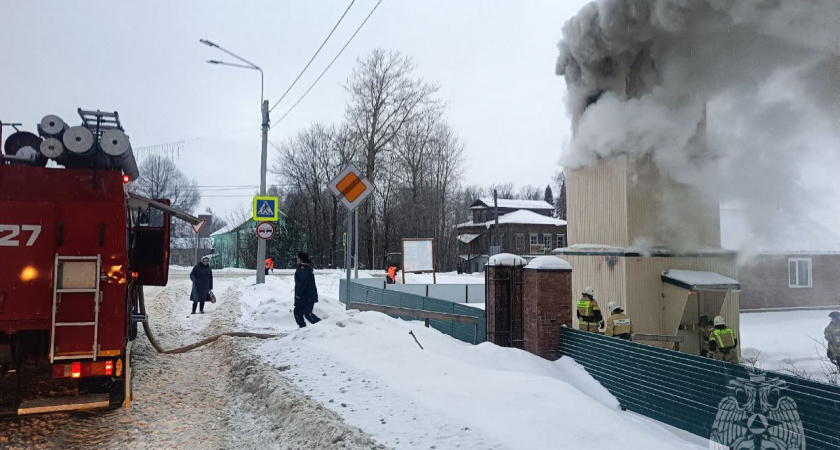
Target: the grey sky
pixel 494 61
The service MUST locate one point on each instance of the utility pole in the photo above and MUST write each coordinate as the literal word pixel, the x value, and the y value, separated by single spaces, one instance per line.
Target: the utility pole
pixel 265 123
pixel 496 213
pixel 263 161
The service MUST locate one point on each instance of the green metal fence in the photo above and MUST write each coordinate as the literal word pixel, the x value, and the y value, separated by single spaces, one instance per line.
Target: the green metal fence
pixel 461 331
pixel 705 396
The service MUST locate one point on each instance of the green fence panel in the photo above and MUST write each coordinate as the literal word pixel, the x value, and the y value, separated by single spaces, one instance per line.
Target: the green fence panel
pixel 462 331
pixel 688 392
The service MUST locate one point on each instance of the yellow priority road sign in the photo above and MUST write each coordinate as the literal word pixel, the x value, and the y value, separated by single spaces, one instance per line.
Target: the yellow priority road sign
pixel 266 209
pixel 351 187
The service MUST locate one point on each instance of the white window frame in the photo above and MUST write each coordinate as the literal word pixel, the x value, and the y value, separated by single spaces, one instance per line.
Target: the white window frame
pixel 547 242
pixel 535 239
pixel 561 241
pixel 794 283
pixel 520 242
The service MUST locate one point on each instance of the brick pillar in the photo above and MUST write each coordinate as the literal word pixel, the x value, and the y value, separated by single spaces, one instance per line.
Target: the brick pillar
pixel 548 304
pixel 503 307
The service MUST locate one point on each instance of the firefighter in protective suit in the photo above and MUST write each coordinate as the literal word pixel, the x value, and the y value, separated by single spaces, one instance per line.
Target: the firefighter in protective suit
pixel 588 312
pixel 704 329
pixel 832 337
pixel 723 343
pixel 618 323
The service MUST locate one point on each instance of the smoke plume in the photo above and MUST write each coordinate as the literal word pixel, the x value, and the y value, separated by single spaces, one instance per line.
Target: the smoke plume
pixel 764 72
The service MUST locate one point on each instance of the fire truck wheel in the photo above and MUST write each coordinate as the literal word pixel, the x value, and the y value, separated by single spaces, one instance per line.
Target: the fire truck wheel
pixel 132 331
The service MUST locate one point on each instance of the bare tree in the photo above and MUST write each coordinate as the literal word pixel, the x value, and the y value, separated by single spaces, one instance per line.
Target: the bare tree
pixel 530 192
pixel 384 99
pixel 163 180
pixel 560 201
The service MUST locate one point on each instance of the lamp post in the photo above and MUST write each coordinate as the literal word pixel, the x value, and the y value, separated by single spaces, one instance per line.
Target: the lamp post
pixel 265 122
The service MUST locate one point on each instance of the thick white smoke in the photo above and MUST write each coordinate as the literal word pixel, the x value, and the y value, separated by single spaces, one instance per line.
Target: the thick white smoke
pixel 766 72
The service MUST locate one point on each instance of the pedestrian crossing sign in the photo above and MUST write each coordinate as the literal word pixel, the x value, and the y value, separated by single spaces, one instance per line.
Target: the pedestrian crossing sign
pixel 265 209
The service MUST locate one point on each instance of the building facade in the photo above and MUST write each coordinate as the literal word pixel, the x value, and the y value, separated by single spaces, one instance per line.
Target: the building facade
pixel 630 223
pixel 522 227
pixel 792 262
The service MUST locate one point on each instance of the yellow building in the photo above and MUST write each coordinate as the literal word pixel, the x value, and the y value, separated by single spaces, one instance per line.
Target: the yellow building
pixel 648 242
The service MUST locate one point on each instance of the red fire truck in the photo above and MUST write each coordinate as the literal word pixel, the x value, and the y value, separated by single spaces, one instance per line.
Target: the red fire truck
pixel 75 250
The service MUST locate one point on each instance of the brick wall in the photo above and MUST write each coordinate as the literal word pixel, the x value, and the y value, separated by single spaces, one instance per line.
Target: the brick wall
pixel 547 306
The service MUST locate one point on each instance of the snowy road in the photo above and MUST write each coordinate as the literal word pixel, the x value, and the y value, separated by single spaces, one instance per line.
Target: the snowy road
pixel 215 397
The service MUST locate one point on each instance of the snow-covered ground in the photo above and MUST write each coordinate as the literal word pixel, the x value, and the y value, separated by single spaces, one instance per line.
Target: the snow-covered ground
pixel 368 368
pixel 786 341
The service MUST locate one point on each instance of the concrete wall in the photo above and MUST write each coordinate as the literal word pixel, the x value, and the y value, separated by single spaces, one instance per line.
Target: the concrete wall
pixel 765 282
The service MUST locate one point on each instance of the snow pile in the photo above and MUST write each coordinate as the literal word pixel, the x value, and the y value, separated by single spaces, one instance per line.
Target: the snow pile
pixel 367 368
pixel 278 414
pixel 506 259
pixel 786 341
pixel 548 263
pixel 737 99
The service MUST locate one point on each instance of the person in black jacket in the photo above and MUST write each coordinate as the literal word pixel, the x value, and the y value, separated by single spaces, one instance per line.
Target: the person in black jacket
pixel 306 293
pixel 202 284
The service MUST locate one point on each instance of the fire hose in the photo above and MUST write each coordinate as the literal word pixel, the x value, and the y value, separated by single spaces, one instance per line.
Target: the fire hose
pixel 156 345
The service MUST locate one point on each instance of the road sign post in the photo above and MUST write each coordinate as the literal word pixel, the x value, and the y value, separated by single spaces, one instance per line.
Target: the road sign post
pixel 266 209
pixel 351 188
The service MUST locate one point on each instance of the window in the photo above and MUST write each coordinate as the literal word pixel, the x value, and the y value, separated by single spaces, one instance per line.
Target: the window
pixel 535 238
pixel 520 242
pixel 547 241
pixel 561 240
pixel 799 271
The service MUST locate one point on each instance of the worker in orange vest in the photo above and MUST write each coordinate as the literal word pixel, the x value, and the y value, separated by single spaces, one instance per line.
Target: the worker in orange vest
pixel 269 265
pixel 392 275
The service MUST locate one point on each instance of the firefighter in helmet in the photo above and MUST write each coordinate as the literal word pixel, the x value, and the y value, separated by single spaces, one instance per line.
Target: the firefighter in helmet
pixel 618 323
pixel 722 342
pixel 832 337
pixel 588 312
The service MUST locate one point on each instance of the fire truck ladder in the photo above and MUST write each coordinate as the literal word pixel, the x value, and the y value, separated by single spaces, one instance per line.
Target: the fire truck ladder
pixel 59 289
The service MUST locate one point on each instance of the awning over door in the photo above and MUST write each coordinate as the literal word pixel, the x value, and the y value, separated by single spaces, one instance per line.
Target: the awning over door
pixel 694 280
pixel 467 238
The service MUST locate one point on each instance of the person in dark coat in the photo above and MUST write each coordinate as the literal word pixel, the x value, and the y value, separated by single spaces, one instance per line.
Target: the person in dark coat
pixel 306 293
pixel 202 284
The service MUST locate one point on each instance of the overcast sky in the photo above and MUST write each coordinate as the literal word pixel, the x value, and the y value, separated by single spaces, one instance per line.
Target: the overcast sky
pixel 494 61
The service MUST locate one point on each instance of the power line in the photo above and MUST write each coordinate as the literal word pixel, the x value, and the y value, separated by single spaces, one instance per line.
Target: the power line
pixel 313 56
pixel 330 65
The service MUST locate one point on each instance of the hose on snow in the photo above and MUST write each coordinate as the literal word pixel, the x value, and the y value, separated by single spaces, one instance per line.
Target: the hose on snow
pixel 156 345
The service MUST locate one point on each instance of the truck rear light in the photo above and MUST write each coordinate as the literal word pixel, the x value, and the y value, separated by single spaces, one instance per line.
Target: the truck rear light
pixel 126 179
pixel 84 369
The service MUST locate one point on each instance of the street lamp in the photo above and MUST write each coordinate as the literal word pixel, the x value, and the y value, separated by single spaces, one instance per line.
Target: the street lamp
pixel 264 126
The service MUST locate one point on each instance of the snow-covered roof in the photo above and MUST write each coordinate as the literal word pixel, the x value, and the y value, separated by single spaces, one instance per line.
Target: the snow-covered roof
pixel 525 217
pixel 467 238
pixel 694 280
pixel 548 263
pixel 506 203
pixel 506 259
pixel 466 224
pixel 775 233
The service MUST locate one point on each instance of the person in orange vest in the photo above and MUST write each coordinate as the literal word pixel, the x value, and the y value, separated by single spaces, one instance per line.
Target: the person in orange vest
pixel 269 265
pixel 392 275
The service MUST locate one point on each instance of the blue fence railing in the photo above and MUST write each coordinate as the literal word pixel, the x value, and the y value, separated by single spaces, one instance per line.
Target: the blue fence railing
pixel 724 402
pixel 462 331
